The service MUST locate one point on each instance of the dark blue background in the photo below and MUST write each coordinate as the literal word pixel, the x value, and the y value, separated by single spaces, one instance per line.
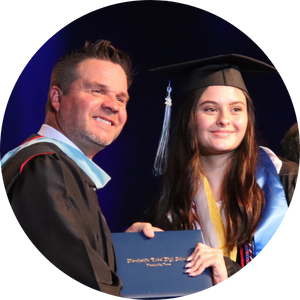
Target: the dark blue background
pixel 154 34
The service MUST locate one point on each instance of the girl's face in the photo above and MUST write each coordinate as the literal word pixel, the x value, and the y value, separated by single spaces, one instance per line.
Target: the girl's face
pixel 222 119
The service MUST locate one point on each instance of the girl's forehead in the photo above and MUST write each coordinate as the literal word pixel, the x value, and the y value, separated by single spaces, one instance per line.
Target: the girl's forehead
pixel 222 94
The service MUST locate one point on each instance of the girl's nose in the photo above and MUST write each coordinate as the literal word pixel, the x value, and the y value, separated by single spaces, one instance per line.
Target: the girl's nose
pixel 223 119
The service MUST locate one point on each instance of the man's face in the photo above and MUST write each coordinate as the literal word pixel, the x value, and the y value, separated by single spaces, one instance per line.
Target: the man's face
pixel 93 113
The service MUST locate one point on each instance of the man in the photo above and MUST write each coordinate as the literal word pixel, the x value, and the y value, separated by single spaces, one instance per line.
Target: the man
pixel 51 180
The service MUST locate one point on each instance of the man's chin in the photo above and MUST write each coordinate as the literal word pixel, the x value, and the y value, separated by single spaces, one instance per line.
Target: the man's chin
pixel 99 141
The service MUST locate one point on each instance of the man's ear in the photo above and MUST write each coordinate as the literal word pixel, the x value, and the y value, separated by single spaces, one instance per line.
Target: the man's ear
pixel 55 96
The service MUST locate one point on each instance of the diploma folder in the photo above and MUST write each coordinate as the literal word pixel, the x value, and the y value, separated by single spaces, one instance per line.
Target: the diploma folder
pixel 155 267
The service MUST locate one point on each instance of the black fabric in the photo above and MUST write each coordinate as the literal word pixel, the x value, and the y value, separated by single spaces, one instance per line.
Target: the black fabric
pixel 288 176
pixel 231 266
pixel 228 70
pixel 56 204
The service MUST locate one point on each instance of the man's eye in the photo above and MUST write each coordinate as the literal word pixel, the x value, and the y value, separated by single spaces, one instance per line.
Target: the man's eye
pixel 99 92
pixel 122 100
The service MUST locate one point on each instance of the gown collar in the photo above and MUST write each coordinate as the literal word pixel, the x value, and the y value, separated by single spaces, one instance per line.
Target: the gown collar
pixel 94 172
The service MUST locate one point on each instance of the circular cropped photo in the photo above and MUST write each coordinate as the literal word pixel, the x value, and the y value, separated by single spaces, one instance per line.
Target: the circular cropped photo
pixel 149 149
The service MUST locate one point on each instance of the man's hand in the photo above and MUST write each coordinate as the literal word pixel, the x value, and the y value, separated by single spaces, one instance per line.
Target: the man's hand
pixel 147 229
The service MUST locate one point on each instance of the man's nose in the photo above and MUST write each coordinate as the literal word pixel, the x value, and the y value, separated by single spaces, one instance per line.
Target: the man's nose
pixel 110 103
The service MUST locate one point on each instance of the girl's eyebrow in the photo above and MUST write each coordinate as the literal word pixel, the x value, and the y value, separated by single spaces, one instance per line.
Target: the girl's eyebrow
pixel 208 102
pixel 216 103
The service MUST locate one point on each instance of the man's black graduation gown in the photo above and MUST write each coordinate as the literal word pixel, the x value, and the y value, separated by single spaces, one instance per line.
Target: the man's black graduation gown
pixel 56 204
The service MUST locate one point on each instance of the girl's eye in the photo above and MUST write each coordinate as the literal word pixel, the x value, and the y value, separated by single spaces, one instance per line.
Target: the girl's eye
pixel 236 109
pixel 210 109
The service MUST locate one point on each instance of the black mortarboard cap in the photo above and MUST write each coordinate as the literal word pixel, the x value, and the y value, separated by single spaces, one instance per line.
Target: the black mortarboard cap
pixel 225 70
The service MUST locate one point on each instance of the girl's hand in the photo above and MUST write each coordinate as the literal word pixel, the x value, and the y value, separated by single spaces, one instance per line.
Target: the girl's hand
pixel 204 257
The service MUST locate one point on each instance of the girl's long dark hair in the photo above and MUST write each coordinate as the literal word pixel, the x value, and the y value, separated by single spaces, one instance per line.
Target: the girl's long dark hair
pixel 243 198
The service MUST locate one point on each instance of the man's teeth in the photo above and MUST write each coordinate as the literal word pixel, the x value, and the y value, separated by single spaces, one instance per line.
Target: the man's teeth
pixel 102 120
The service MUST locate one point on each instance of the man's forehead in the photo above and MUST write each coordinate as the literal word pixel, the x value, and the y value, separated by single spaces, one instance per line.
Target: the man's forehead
pixel 98 63
pixel 101 69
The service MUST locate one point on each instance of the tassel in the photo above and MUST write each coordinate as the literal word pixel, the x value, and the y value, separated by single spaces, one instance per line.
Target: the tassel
pixel 161 154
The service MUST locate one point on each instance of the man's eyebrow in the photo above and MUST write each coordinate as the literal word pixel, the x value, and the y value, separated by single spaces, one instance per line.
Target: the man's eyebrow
pixel 124 95
pixel 96 84
pixel 89 84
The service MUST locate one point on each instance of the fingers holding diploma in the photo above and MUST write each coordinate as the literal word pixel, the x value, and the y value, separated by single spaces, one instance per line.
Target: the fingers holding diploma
pixel 147 229
pixel 204 257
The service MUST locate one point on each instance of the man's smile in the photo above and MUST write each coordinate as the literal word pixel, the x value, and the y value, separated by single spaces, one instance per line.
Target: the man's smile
pixel 105 121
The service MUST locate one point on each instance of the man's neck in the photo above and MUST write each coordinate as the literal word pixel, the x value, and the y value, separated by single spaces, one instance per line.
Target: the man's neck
pixel 51 132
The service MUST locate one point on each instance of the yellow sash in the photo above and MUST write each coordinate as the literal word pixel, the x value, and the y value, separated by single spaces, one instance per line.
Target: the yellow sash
pixel 217 221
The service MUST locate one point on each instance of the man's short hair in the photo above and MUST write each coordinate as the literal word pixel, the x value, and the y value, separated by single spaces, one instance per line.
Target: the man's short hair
pixel 64 72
